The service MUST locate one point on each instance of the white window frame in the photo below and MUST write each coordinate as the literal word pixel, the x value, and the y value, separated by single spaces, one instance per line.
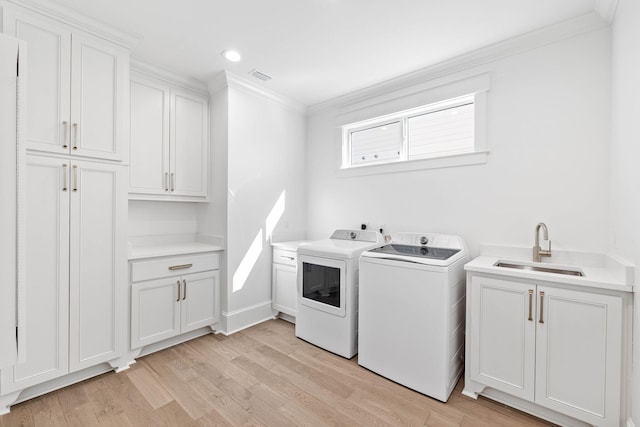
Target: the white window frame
pixel 464 95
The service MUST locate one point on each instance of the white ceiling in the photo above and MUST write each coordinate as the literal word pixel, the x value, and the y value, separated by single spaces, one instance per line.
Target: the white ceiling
pixel 319 49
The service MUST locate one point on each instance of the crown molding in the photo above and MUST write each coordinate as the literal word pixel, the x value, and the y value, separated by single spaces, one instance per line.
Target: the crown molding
pixel 588 22
pixel 226 79
pixel 78 20
pixel 607 9
pixel 183 81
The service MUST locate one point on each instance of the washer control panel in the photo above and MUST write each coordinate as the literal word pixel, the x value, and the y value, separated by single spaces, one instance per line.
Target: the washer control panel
pixel 427 239
pixel 357 235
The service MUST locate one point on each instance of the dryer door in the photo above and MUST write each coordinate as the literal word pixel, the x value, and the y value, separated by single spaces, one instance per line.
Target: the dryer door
pixel 322 284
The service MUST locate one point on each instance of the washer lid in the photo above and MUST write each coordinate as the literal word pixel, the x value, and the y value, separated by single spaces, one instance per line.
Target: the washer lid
pixel 416 251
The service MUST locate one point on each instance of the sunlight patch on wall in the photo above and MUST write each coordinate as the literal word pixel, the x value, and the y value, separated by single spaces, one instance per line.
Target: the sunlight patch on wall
pixel 274 216
pixel 248 262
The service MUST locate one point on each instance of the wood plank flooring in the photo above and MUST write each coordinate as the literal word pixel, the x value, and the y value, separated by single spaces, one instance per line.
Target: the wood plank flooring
pixel 262 376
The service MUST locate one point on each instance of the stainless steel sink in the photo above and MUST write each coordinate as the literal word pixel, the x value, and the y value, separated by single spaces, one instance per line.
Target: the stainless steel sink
pixel 528 267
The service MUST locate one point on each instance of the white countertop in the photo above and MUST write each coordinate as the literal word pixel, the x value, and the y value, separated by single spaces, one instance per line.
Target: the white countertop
pixel 600 271
pixel 290 245
pixel 158 246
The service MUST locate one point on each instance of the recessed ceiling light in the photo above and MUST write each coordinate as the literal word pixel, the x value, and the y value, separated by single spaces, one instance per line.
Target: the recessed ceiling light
pixel 231 55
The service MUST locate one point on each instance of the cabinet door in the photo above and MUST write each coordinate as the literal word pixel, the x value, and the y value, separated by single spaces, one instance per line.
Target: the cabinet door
pixel 44 325
pixel 149 146
pixel 8 157
pixel 155 310
pixel 285 291
pixel 99 98
pixel 503 335
pixel 48 75
pixel 189 149
pixel 98 251
pixel 578 358
pixel 200 300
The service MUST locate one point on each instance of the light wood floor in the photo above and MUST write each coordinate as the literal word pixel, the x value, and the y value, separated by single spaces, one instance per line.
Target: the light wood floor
pixel 261 376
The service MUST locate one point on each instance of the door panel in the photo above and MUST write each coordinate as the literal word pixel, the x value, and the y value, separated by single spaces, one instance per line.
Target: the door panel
pixel 45 321
pixel 155 311
pixel 48 75
pixel 189 144
pixel 285 292
pixel 502 336
pixel 98 95
pixel 98 263
pixel 149 147
pixel 199 300
pixel 578 354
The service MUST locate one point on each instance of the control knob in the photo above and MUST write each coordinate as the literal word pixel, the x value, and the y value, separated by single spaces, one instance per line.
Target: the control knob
pixel 424 240
pixel 352 235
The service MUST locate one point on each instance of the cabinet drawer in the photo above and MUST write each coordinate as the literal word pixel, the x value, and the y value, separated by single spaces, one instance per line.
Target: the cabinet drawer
pixel 173 266
pixel 282 256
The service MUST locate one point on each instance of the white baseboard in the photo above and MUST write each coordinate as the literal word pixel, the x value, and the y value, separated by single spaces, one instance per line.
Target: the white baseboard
pixel 246 317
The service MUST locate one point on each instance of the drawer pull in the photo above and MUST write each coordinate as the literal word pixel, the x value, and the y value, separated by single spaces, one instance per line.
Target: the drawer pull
pixel 290 258
pixel 541 320
pixel 530 305
pixel 180 267
pixel 178 300
pixel 184 294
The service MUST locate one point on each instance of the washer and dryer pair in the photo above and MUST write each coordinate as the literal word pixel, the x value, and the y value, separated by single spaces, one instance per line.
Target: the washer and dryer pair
pixel 399 306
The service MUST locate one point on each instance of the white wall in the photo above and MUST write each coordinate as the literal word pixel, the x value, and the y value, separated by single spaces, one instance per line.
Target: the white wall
pixel 265 161
pixel 162 218
pixel 625 157
pixel 547 133
pixel 258 191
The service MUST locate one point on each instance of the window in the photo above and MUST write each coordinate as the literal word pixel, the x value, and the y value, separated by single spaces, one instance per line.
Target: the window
pixel 438 130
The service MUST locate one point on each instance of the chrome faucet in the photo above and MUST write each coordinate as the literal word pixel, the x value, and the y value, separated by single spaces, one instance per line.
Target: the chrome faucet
pixel 538 253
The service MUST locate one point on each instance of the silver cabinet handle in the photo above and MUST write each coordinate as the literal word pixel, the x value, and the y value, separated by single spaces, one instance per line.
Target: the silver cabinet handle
pixel 180 267
pixel 541 320
pixel 530 305
pixel 178 300
pixel 75 178
pixel 166 181
pixel 184 294
pixel 287 257
pixel 64 177
pixel 65 126
pixel 173 182
pixel 75 136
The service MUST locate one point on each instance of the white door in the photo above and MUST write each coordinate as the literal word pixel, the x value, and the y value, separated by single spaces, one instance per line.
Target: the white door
pixel 99 93
pixel 49 77
pixel 199 300
pixel 579 353
pixel 503 335
pixel 44 325
pixel 285 292
pixel 149 145
pixel 155 310
pixel 98 250
pixel 8 195
pixel 189 144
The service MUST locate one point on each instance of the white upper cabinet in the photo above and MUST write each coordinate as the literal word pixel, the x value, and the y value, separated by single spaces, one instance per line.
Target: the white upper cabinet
pixel 149 150
pixel 169 148
pixel 189 144
pixel 77 88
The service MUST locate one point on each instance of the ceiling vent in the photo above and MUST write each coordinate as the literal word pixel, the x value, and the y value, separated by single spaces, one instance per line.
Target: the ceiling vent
pixel 260 76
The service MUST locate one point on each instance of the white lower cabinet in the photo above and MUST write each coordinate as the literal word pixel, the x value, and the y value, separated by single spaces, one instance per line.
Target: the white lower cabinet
pixel 75 278
pixel 173 295
pixel 284 290
pixel 559 348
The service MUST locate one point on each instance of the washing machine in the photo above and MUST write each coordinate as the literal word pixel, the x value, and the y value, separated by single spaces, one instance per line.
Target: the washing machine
pixel 327 278
pixel 411 311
